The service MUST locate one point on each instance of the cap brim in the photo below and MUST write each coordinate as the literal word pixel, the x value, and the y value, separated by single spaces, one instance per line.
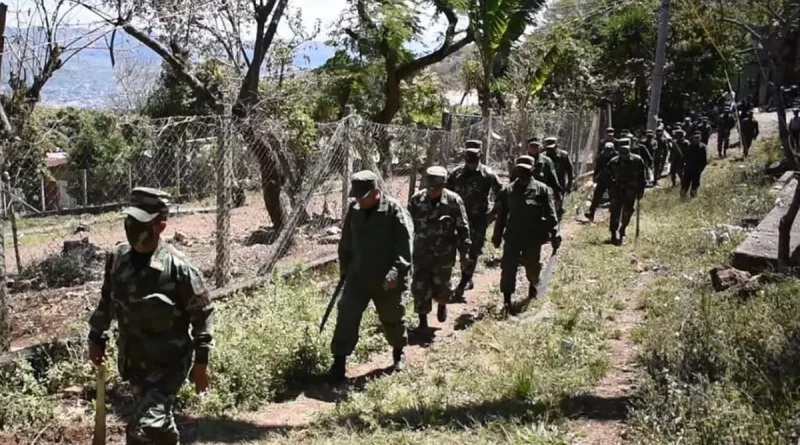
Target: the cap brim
pixel 140 215
pixel 524 166
pixel 355 193
pixel 475 151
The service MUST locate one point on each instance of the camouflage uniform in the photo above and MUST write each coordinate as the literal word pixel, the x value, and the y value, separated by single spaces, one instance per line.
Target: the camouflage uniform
pixel 646 149
pixel 660 158
pixel 154 299
pixel 726 124
pixel 695 159
pixel 601 178
pixel 750 131
pixel 440 228
pixel 474 187
pixel 677 150
pixel 564 171
pixel 628 178
pixel 526 219
pixel 375 247
pixel 705 130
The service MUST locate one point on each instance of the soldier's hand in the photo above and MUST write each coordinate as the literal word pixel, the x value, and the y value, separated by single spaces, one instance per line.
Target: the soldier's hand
pixel 97 353
pixel 199 376
pixel 389 284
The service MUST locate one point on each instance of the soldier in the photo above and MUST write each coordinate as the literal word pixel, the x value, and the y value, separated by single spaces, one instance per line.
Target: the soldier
pixel 676 159
pixel 688 126
pixel 154 293
pixel 601 178
pixel 695 160
pixel 526 218
pixel 375 256
pixel 646 149
pixel 609 138
pixel 662 151
pixel 726 124
pixel 473 182
pixel 544 169
pixel 440 228
pixel 794 128
pixel 749 127
pixel 564 170
pixel 705 129
pixel 628 178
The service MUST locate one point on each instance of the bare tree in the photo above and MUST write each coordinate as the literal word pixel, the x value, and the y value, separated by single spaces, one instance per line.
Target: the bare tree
pixel 238 33
pixel 36 47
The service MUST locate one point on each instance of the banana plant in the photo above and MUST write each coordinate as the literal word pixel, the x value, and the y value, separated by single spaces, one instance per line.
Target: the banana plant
pixel 497 26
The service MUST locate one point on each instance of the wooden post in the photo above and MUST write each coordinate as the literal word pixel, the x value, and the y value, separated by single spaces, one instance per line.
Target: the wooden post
pixel 85 188
pixel 224 164
pixel 44 203
pixel 130 179
pixel 13 217
pixel 347 164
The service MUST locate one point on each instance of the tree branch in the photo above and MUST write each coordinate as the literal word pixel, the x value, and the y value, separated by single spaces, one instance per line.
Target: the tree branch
pixel 180 68
pixel 746 27
pixel 413 66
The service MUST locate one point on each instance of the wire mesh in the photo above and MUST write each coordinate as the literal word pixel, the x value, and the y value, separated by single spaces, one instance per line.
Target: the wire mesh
pixel 249 195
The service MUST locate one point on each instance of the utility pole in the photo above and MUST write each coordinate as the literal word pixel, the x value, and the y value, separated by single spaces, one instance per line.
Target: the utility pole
pixel 658 69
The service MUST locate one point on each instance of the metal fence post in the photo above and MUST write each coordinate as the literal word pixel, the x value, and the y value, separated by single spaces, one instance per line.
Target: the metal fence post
pixel 5 320
pixel 224 169
pixel 85 189
pixel 130 179
pixel 44 203
pixel 178 171
pixel 347 164
pixel 445 154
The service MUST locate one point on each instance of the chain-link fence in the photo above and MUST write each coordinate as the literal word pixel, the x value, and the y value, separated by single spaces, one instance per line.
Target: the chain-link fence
pixel 248 196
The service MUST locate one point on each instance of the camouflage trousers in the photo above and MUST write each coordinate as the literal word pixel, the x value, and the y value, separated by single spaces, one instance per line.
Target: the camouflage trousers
pixel 477 235
pixel 153 421
pixel 356 298
pixel 622 208
pixel 431 283
pixel 529 255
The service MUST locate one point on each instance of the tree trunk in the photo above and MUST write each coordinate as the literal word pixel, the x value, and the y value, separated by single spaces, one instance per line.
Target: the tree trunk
pixel 270 187
pixel 391 106
pixel 783 128
pixel 785 230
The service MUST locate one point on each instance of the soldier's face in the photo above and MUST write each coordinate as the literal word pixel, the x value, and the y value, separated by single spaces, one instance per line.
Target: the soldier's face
pixel 143 237
pixel 471 160
pixel 435 192
pixel 696 139
pixel 534 149
pixel 370 200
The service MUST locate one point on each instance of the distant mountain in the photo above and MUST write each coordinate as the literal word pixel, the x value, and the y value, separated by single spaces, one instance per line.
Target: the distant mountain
pixel 89 81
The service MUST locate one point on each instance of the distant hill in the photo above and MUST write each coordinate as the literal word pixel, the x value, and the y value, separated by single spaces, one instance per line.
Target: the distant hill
pixel 449 69
pixel 89 81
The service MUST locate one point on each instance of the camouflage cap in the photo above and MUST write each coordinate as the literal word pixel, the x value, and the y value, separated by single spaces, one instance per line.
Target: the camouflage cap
pixel 697 133
pixel 534 141
pixel 435 176
pixel 148 204
pixel 679 132
pixel 362 183
pixel 550 142
pixel 610 130
pixel 625 142
pixel 526 162
pixel 649 132
pixel 473 143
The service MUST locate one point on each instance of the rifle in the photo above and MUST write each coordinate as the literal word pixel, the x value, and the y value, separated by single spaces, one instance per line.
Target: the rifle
pixel 99 437
pixel 331 303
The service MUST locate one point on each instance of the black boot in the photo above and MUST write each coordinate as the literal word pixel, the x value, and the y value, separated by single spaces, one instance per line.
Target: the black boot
pixel 441 313
pixel 337 372
pixel 507 306
pixel 614 239
pixel 399 358
pixel 423 322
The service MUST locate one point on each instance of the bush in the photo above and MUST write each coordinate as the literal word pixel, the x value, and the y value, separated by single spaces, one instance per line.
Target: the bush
pixel 68 268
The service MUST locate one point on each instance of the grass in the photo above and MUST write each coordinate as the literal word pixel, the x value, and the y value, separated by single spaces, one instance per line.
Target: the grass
pixel 267 343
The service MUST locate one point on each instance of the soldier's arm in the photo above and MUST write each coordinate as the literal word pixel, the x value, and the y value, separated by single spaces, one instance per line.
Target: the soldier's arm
pixel 558 190
pixel 345 242
pixel 550 215
pixel 403 232
pixel 100 321
pixel 462 227
pixel 496 188
pixel 570 173
pixel 501 209
pixel 195 300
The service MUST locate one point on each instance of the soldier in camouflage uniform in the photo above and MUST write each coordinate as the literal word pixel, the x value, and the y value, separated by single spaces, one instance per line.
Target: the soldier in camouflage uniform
pixel 564 170
pixel 544 169
pixel 526 218
pixel 676 156
pixel 440 228
pixel 155 295
pixel 375 257
pixel 474 182
pixel 628 179
pixel 705 129
pixel 610 132
pixel 660 158
pixel 726 124
pixel 646 149
pixel 601 178
pixel 695 159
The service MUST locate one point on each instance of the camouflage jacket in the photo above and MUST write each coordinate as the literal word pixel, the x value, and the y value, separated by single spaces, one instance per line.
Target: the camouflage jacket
pixel 696 157
pixel 645 149
pixel 376 244
pixel 601 167
pixel 545 171
pixel 678 150
pixel 628 175
pixel 439 229
pixel 154 307
pixel 564 169
pixel 474 188
pixel 526 213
